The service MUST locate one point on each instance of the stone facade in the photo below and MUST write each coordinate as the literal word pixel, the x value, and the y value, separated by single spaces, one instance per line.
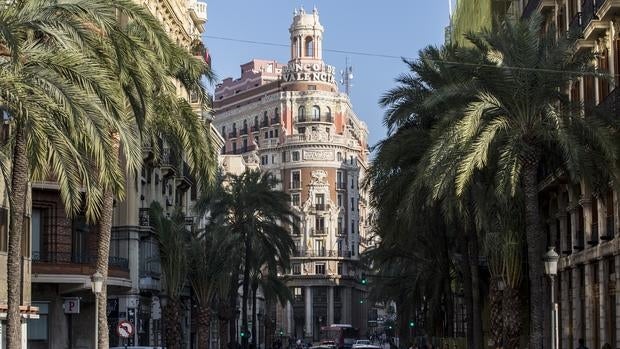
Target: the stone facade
pixel 583 225
pixel 292 121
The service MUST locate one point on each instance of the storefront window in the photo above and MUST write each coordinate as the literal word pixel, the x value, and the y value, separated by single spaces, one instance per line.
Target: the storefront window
pixel 38 328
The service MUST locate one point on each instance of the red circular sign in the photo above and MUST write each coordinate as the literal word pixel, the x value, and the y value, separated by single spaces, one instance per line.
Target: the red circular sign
pixel 124 329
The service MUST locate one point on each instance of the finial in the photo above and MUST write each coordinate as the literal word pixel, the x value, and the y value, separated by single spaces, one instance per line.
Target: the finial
pixel 301 10
pixel 315 11
pixel 295 12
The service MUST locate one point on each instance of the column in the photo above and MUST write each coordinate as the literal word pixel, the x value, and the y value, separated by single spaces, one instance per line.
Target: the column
pixel 290 328
pixel 562 226
pixel 586 203
pixel 309 316
pixel 577 330
pixel 574 226
pixel 589 300
pixel 565 321
pixel 603 282
pixel 330 305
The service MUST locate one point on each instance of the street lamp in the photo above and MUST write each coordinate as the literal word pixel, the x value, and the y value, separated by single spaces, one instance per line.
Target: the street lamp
pixel 96 283
pixel 551 269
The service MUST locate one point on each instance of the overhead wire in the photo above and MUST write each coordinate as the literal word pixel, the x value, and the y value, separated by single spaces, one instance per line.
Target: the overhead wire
pixel 381 55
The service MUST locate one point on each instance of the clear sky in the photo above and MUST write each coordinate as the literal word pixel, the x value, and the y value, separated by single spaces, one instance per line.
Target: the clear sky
pixel 388 27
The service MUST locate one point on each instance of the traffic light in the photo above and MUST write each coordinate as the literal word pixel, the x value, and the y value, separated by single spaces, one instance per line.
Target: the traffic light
pixel 364 279
pixel 390 327
pixel 411 324
pixel 242 334
pixel 361 301
pixel 281 333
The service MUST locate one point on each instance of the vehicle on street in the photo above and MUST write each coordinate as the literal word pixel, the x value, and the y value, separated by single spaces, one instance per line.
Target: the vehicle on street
pixel 342 335
pixel 365 344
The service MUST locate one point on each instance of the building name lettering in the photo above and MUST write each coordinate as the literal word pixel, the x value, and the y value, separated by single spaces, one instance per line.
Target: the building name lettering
pixel 309 72
pixel 318 155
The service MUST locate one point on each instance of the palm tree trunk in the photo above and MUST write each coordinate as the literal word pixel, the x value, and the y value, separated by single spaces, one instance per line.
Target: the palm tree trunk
pixel 467 289
pixel 534 237
pixel 232 326
pixel 172 324
pixel 475 288
pixel 19 194
pixel 495 300
pixel 511 303
pixel 103 255
pixel 254 327
pixel 246 289
pixel 203 326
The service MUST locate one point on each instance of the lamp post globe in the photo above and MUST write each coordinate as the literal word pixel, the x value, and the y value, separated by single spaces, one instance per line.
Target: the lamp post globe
pixel 96 282
pixel 551 262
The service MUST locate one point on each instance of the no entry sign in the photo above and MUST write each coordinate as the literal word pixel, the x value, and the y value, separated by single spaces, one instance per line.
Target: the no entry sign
pixel 124 329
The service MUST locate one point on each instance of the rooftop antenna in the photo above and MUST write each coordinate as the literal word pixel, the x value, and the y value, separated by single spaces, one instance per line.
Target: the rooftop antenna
pixel 346 76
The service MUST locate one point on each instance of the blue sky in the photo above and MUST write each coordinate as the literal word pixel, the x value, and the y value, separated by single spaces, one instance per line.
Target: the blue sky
pixel 389 27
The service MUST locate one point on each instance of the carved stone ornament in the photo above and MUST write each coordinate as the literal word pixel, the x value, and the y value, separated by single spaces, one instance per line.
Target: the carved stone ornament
pixel 319 135
pixel 318 177
pixel 318 155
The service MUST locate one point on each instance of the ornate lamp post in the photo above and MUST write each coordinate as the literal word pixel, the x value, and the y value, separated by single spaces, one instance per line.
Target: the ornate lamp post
pixel 551 269
pixel 96 285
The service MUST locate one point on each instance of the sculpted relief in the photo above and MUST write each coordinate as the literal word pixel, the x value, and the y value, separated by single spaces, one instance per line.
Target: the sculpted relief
pixel 318 155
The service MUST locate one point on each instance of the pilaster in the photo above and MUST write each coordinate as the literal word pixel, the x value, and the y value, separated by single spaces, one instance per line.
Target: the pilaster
pixel 589 300
pixel 309 315
pixel 565 320
pixel 577 291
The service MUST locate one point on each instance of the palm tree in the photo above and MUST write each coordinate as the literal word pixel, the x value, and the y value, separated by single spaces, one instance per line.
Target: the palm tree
pixel 59 100
pixel 173 239
pixel 518 116
pixel 210 255
pixel 250 207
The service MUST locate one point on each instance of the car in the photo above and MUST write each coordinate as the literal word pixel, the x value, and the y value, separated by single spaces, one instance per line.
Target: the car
pixel 364 344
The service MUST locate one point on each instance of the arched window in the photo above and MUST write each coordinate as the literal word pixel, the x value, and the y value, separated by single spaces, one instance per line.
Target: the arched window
pixel 328 113
pixel 301 114
pixel 316 113
pixel 309 47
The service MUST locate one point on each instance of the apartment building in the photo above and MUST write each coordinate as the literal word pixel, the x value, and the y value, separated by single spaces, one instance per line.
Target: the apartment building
pixel 582 223
pixel 293 121
pixel 60 252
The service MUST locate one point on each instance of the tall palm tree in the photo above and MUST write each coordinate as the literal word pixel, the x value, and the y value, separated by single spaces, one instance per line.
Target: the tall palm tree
pixel 251 208
pixel 210 255
pixel 59 101
pixel 518 117
pixel 173 239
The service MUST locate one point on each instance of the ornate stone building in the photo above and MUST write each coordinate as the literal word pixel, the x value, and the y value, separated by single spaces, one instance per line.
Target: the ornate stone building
pixel 294 122
pixel 582 222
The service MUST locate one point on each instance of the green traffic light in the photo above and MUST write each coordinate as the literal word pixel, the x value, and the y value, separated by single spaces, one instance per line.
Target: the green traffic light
pixel 242 334
pixel 411 324
pixel 364 281
pixel 361 301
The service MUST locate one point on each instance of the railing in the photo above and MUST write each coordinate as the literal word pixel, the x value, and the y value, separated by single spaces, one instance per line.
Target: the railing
pixel 266 143
pixel 576 25
pixel 75 258
pixel 144 218
pixel 319 207
pixel 321 253
pixel 167 157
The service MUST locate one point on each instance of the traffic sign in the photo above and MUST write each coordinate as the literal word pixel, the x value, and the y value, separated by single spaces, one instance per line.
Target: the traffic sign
pixel 124 329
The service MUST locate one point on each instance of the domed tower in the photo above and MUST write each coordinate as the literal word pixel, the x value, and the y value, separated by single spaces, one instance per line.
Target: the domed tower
pixel 306 66
pixel 306 37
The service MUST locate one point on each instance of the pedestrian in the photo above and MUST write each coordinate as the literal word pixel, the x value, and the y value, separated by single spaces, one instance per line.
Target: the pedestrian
pixel 582 344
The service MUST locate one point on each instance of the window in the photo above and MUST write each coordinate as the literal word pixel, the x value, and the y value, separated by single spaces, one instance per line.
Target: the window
pixel 352 182
pixel 273 159
pixel 284 157
pixel 316 113
pixel 224 132
pixel 339 180
pixel 276 132
pixel 340 268
pixel 339 200
pixel 328 113
pixel 266 135
pixel 339 156
pixel 309 47
pixel 352 249
pixel 4 229
pixel 352 227
pixel 319 201
pixel 340 226
pixel 301 113
pixel 234 145
pixel 319 268
pixel 255 123
pixel 319 248
pixel 296 230
pixel 37 233
pixel 38 328
pixel 297 292
pixel 295 156
pixel 245 145
pixel 296 269
pixel 276 112
pixel 271 134
pixel 301 130
pixel 295 200
pixel 295 180
pixel 352 204
pixel 264 160
pixel 319 225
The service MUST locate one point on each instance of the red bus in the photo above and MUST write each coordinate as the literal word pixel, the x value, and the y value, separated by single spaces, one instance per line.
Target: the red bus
pixel 342 335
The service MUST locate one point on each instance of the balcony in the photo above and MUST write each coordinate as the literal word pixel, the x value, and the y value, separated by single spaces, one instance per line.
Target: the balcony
pixel 167 162
pixel 320 207
pixel 314 253
pixel 75 263
pixel 537 6
pixel 184 179
pixel 198 11
pixel 144 219
pixel 607 9
pixel 322 118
